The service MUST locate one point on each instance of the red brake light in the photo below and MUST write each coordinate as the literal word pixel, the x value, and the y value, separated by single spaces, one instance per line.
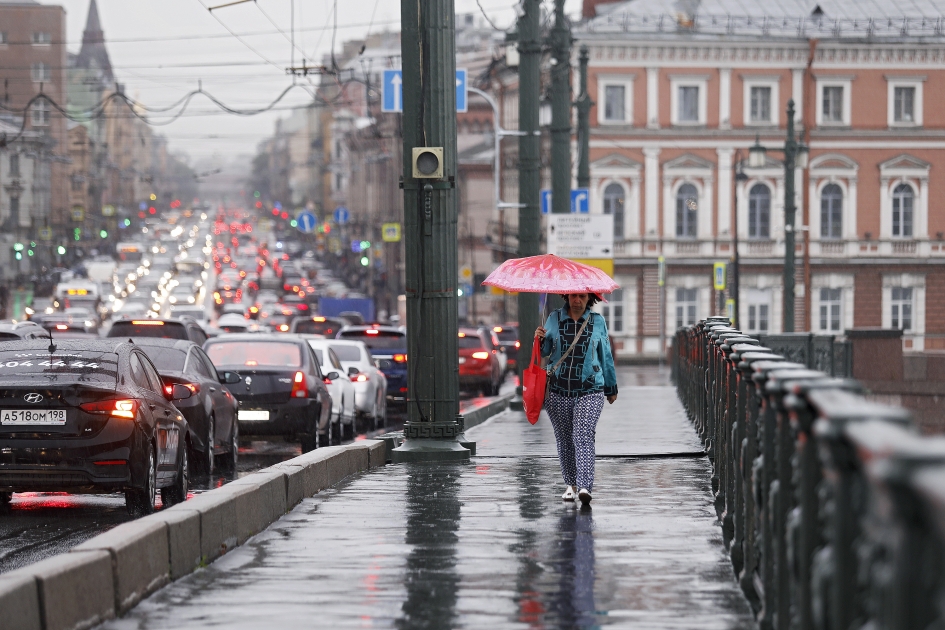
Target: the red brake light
pixel 400 358
pixel 117 408
pixel 299 387
pixel 146 322
pixel 362 378
pixel 480 355
pixel 518 344
pixel 372 332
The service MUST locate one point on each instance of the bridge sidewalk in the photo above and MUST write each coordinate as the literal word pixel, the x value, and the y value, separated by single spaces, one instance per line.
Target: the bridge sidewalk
pixel 490 544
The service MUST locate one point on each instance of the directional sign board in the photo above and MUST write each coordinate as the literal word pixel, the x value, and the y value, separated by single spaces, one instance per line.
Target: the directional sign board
pixel 306 222
pixel 341 215
pixel 545 201
pixel 392 92
pixel 580 236
pixel 718 276
pixel 579 201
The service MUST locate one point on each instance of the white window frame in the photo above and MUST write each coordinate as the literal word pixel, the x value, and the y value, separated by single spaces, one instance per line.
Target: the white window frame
pixel 41 38
pixel 699 81
pixel 626 82
pixel 3 38
pixel 43 108
pixel 677 305
pixel 750 82
pixel 847 84
pixel 617 299
pixel 892 211
pixel 894 82
pixel 41 72
pixel 754 302
pixel 916 282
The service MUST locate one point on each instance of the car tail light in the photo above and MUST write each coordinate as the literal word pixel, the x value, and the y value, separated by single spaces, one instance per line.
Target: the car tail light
pixel 146 322
pixel 111 462
pixel 372 332
pixel 361 378
pixel 318 319
pixel 400 358
pixel 518 344
pixel 299 388
pixel 284 328
pixel 116 408
pixel 480 355
pixel 193 387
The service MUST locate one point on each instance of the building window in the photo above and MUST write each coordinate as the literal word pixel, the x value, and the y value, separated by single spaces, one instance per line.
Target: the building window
pixel 904 104
pixel 832 103
pixel 39 113
pixel 903 202
pixel 686 211
pixel 760 104
pixel 41 71
pixel 615 103
pixel 688 103
pixel 830 301
pixel 15 211
pixel 42 38
pixel 613 204
pixel 15 164
pixel 613 311
pixel 758 318
pixel 901 305
pixel 759 211
pixel 3 37
pixel 831 211
pixel 686 303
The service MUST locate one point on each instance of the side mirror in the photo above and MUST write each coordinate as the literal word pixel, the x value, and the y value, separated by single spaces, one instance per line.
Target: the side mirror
pixel 176 391
pixel 230 378
pixel 352 371
pixel 331 376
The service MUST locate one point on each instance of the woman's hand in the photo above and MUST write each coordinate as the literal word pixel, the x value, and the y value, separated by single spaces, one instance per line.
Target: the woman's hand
pixel 540 332
pixel 612 399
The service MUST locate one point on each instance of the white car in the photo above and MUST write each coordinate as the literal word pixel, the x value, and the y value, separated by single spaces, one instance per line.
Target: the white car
pixel 370 384
pixel 343 412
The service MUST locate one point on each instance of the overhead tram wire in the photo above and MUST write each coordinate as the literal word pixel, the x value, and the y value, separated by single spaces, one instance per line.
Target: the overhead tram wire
pixel 240 39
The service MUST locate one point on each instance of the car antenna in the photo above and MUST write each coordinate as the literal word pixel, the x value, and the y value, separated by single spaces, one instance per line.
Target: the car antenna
pixel 52 346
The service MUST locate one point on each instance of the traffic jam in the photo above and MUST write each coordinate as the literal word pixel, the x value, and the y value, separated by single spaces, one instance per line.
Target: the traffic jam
pixel 209 346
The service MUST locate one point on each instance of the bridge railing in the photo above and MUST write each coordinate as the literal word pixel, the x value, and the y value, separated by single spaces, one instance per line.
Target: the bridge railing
pixel 832 506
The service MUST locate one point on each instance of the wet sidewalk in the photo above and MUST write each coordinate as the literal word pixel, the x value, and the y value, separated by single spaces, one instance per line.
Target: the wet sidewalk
pixel 489 544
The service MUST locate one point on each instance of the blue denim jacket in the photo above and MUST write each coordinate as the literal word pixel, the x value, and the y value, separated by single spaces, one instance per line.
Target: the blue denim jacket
pixel 599 360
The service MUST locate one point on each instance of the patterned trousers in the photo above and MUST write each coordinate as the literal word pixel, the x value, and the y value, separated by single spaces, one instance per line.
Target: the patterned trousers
pixel 575 424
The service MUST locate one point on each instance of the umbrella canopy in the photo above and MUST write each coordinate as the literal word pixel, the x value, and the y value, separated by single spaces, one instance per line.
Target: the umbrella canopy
pixel 549 274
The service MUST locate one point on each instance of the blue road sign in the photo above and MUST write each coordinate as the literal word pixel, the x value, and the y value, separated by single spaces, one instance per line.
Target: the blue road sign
pixel 579 201
pixel 341 215
pixel 306 222
pixel 392 93
pixel 545 201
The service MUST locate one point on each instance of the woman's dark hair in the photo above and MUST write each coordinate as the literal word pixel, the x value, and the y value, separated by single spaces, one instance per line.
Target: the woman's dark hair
pixel 592 299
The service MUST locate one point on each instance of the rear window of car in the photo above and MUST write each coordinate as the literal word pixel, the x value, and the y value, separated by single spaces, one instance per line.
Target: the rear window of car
pixel 383 340
pixel 508 335
pixel 347 353
pixel 255 353
pixel 470 341
pixel 68 365
pixel 166 359
pixel 310 327
pixel 8 336
pixel 146 328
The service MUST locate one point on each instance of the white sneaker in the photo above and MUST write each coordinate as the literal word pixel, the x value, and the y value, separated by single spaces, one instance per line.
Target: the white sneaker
pixel 584 495
pixel 568 494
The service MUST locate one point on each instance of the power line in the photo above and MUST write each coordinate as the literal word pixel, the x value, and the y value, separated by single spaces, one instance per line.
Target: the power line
pixel 240 39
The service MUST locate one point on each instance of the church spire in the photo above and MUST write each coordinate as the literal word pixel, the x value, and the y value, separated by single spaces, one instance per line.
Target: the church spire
pixel 93 27
pixel 93 54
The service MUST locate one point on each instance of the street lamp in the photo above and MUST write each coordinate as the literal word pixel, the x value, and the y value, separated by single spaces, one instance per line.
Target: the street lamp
pixel 740 176
pixel 795 155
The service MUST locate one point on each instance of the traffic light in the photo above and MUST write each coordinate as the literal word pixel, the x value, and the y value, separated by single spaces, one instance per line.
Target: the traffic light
pixel 365 261
pixel 77 233
pixel 61 250
pixel 103 234
pixel 18 250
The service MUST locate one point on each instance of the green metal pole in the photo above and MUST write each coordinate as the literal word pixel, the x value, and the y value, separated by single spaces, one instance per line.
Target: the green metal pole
pixel 583 105
pixel 560 113
pixel 529 163
pixel 430 212
pixel 790 154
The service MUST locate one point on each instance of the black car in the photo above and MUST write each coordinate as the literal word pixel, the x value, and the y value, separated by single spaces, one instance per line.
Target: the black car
pixel 281 391
pixel 90 417
pixel 388 346
pixel 15 331
pixel 317 325
pixel 173 328
pixel 210 411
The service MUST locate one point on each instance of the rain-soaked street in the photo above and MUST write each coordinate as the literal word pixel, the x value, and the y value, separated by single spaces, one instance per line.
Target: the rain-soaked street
pixel 490 544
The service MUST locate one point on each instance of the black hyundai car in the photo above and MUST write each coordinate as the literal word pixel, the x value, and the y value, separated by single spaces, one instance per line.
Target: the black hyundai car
pixel 281 391
pixel 210 411
pixel 90 416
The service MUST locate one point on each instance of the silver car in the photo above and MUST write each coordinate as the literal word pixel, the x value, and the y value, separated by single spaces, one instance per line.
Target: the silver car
pixel 343 394
pixel 370 384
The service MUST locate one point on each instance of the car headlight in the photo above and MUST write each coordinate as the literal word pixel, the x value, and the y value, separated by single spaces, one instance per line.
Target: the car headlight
pixel 191 299
pixel 173 300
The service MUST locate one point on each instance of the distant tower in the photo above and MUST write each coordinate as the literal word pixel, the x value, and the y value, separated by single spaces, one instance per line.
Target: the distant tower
pixel 93 55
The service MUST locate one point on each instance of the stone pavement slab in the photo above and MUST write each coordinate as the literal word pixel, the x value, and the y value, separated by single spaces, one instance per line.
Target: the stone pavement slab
pixel 482 545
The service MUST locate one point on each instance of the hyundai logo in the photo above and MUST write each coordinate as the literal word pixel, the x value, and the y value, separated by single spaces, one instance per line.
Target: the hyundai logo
pixel 33 398
pixel 249 381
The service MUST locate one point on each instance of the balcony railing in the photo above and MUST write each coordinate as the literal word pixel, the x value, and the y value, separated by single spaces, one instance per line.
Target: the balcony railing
pixel 748 248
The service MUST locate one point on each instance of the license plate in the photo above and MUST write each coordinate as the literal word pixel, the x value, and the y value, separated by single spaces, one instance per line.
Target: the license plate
pixel 462 360
pixel 25 417
pixel 252 415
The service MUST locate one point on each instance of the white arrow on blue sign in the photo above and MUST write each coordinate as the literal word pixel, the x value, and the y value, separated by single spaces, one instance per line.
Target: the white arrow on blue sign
pixel 545 201
pixel 341 215
pixel 392 92
pixel 579 201
pixel 306 222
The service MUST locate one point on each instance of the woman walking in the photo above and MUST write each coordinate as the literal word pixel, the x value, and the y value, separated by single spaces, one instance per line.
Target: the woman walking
pixel 576 342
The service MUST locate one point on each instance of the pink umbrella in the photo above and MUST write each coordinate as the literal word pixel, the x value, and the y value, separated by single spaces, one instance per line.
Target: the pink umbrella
pixel 549 274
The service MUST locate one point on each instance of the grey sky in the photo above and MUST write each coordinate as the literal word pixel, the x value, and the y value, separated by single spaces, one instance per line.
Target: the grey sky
pixel 157 69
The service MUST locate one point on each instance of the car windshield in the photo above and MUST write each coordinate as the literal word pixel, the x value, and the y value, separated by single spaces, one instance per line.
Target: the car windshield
pixel 470 341
pixel 347 353
pixel 255 353
pixel 312 327
pixel 166 359
pixel 148 328
pixel 378 339
pixel 66 365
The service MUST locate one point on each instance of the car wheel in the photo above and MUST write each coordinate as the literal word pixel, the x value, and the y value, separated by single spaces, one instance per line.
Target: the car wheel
pixel 348 430
pixel 140 501
pixel 232 457
pixel 178 492
pixel 205 461
pixel 5 498
pixel 336 428
pixel 310 443
pixel 380 412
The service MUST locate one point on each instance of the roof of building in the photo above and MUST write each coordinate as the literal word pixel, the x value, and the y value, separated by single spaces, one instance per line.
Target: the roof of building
pixel 779 19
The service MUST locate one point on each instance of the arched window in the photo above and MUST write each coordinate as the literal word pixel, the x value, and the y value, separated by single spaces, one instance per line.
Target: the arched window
pixel 613 204
pixel 759 211
pixel 687 207
pixel 903 203
pixel 831 211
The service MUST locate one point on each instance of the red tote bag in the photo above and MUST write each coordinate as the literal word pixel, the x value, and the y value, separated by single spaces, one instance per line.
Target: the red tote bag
pixel 534 382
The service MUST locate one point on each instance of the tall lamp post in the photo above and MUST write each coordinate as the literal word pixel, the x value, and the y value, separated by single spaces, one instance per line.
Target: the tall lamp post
pixel 795 155
pixel 739 177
